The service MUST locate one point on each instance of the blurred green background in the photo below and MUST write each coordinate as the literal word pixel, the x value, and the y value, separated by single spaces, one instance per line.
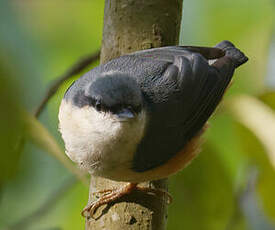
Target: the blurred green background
pixel 231 185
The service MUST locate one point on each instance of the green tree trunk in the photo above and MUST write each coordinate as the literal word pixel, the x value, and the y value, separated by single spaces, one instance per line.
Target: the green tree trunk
pixel 131 25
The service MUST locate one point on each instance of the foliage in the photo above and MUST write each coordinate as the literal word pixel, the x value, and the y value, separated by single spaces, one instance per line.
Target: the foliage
pixel 229 186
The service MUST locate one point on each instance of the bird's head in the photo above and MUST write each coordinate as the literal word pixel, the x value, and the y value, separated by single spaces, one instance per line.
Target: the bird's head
pixel 116 95
pixel 103 118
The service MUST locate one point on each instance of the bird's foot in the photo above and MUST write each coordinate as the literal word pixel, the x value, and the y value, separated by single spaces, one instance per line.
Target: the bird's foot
pixel 110 195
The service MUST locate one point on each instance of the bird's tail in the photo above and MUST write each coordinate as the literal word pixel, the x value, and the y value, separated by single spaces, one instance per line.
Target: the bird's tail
pixel 234 53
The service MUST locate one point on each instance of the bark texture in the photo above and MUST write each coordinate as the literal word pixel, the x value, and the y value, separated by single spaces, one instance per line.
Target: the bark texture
pixel 131 25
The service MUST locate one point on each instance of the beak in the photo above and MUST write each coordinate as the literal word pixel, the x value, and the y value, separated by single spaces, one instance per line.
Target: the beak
pixel 125 114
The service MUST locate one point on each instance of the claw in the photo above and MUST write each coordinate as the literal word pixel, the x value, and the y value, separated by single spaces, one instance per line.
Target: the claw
pixel 89 210
pixel 110 195
pixel 105 192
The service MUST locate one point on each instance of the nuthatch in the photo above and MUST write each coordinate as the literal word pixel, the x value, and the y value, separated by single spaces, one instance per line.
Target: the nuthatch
pixel 139 117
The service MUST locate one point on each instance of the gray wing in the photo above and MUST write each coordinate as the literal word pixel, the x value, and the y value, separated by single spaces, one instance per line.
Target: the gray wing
pixel 182 100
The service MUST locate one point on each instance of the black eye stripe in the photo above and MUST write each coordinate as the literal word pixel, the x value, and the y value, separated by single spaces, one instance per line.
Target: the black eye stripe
pixel 137 109
pixel 101 107
pixel 98 106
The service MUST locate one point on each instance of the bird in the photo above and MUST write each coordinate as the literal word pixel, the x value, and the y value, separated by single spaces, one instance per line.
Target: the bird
pixel 140 117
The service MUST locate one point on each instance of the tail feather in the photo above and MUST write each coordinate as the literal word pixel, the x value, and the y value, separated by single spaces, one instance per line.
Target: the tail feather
pixel 234 53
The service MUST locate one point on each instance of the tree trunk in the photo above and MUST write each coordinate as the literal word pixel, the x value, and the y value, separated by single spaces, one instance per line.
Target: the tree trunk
pixel 131 25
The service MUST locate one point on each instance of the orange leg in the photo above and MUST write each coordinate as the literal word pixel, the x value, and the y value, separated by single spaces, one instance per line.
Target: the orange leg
pixel 111 195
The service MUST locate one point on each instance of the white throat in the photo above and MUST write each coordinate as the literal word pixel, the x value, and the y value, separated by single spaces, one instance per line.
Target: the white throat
pixel 98 141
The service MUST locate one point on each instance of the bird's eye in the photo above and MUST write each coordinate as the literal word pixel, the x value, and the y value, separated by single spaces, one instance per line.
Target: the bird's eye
pixel 130 108
pixel 137 109
pixel 134 109
pixel 98 106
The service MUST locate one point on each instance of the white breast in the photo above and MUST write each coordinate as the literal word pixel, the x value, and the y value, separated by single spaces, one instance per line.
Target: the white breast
pixel 97 141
